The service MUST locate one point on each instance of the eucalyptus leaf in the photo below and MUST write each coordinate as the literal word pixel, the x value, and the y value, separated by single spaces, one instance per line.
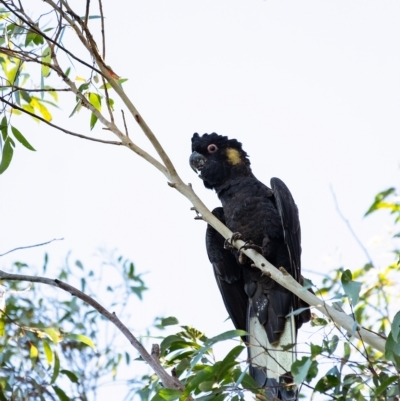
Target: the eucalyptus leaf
pixel 21 139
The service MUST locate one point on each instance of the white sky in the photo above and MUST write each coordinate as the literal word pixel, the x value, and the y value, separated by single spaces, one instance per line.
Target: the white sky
pixel 311 88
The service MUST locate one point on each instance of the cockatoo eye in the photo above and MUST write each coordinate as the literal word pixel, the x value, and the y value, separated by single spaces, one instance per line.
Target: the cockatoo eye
pixel 212 148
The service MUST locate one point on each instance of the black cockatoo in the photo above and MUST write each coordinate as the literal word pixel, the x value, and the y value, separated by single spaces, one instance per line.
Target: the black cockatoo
pixel 268 217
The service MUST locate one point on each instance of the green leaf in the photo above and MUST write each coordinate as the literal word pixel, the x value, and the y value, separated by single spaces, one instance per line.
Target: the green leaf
pixel 332 344
pixel 29 37
pixel 326 383
pixel 169 321
pixel 56 369
pixel 297 311
pixel 33 353
pixel 168 341
pixel 315 350
pixel 334 371
pixel 7 155
pixel 210 342
pixel 228 335
pixel 137 290
pixel 84 87
pixel 168 394
pixel 4 128
pixel 396 327
pixel 351 288
pixel 162 322
pixel 53 94
pixel 300 369
pixel 2 324
pixel 93 120
pixel 95 100
pixel 61 394
pixel 346 351
pixel 226 365
pixel 48 352
pixel 38 40
pixel 46 58
pixel 206 385
pixel 392 349
pixel 378 203
pixel 204 375
pixel 76 108
pixel 37 104
pixel 53 335
pixel 233 353
pixel 318 321
pixel 13 72
pixel 81 338
pixel 2 396
pixel 71 376
pixel 385 384
pixel 120 81
pixel 20 138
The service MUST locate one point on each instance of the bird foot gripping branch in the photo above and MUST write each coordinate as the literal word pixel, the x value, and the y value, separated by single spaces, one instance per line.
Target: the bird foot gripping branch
pixel 228 244
pixel 242 258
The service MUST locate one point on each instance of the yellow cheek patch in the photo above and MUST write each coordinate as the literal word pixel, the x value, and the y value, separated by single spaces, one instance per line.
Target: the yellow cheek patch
pixel 233 156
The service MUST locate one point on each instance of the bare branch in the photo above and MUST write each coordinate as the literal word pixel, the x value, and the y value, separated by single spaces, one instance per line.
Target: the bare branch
pixel 170 169
pixel 31 246
pixel 168 381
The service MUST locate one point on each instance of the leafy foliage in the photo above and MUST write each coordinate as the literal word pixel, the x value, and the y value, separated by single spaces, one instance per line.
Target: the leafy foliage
pixel 51 344
pixel 369 294
pixel 189 354
pixel 27 42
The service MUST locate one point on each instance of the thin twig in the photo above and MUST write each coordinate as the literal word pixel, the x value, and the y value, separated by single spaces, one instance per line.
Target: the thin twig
pixel 37 30
pixel 14 106
pixel 364 249
pixel 126 128
pixel 31 246
pixel 35 90
pixel 103 32
pixel 87 12
pixel 350 227
pixel 93 49
pixel 107 99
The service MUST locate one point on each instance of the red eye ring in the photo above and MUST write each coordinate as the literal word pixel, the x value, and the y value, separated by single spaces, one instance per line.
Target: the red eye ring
pixel 212 148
